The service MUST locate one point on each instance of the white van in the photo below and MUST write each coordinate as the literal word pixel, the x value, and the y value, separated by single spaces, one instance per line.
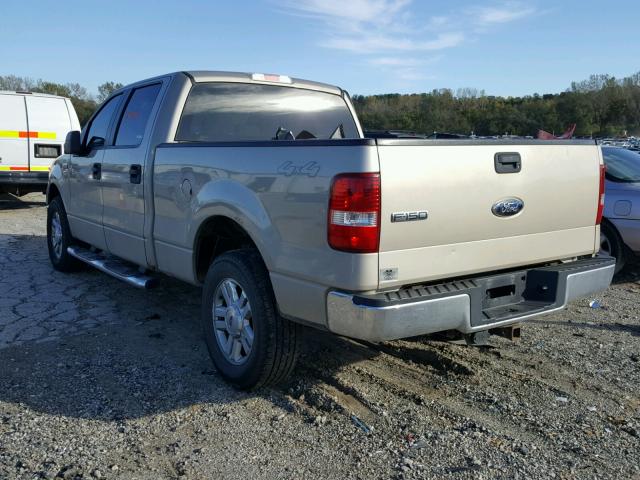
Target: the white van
pixel 33 128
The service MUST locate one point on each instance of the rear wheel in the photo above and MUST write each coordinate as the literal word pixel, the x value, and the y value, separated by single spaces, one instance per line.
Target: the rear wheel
pixel 611 244
pixel 59 238
pixel 249 343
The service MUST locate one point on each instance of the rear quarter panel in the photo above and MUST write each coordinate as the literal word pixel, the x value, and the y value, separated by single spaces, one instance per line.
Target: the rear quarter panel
pixel 279 194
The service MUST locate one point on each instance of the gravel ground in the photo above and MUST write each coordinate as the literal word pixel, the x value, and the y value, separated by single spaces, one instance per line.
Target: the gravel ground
pixel 99 380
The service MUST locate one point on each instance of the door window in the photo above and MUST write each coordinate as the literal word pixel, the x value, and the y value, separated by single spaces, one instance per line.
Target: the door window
pixel 99 127
pixel 136 115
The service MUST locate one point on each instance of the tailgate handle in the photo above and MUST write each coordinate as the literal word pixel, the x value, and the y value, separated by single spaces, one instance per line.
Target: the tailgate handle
pixel 507 162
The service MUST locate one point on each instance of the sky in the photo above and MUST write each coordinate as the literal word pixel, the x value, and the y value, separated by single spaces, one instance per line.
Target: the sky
pixel 508 48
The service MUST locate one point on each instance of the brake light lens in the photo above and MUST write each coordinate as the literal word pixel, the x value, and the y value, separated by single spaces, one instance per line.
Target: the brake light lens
pixel 354 213
pixel 269 77
pixel 603 170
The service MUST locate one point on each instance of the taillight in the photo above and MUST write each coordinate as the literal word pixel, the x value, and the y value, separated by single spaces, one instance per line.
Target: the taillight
pixel 603 170
pixel 354 213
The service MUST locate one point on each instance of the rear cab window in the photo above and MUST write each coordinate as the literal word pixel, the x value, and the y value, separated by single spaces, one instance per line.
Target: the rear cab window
pixel 236 112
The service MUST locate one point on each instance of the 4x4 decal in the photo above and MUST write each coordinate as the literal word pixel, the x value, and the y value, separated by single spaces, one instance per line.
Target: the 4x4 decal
pixel 310 169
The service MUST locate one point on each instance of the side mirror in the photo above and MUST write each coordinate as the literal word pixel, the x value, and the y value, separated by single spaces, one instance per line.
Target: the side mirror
pixel 72 144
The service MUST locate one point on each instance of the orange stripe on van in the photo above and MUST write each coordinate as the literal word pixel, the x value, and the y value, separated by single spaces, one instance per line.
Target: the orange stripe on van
pixel 26 134
pixel 13 169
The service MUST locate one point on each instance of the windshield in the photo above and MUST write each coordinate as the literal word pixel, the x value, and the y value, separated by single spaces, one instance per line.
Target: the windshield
pixel 622 165
pixel 228 112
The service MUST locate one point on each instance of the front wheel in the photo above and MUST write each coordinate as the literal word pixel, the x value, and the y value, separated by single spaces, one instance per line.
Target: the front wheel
pixel 59 238
pixel 250 344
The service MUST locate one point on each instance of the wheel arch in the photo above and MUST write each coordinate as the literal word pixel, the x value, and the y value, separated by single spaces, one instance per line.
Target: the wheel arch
pixel 56 179
pixel 52 192
pixel 624 250
pixel 239 216
pixel 216 235
pixel 613 226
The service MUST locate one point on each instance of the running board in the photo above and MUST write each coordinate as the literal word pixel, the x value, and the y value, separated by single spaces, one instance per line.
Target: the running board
pixel 115 267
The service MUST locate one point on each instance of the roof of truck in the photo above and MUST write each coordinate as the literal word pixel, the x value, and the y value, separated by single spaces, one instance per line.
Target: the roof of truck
pixel 215 76
pixel 242 77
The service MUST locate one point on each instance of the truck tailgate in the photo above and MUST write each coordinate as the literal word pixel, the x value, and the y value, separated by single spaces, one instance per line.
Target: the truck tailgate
pixel 458 185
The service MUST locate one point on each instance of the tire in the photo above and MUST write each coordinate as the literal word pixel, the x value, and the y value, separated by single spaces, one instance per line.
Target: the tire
pixel 59 238
pixel 611 244
pixel 250 344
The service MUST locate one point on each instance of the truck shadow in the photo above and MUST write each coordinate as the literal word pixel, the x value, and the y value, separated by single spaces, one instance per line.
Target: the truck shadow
pixel 9 202
pixel 84 345
pixel 630 272
pixel 610 327
pixel 134 371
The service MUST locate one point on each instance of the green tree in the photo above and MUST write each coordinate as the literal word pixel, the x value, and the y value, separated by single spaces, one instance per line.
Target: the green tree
pixel 600 106
pixel 106 89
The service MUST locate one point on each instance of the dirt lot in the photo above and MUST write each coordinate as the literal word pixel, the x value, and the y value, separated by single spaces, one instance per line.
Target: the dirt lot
pixel 99 380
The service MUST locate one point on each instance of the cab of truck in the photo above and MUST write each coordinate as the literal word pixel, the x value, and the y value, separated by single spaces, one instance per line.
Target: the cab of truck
pixel 33 127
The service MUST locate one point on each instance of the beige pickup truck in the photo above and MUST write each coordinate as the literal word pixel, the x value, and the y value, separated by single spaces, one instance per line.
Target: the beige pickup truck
pixel 262 189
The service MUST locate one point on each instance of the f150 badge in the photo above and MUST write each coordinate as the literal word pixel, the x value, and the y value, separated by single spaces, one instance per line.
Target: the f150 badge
pixel 408 216
pixel 507 207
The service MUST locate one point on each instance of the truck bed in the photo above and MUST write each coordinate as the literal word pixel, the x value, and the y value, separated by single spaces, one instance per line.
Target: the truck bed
pixel 455 182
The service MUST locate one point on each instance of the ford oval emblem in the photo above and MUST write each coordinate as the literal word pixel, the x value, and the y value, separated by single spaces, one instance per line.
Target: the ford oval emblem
pixel 508 207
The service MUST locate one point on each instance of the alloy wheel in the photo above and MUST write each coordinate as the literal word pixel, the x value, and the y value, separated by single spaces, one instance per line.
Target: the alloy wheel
pixel 232 321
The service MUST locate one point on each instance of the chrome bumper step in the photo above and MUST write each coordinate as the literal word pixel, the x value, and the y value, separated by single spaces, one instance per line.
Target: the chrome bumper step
pixel 468 306
pixel 115 267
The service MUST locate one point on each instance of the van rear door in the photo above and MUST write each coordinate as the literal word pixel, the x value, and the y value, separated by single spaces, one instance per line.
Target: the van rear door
pixel 14 153
pixel 49 122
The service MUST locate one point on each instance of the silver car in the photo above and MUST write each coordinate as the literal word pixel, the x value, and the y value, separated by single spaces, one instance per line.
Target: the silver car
pixel 620 230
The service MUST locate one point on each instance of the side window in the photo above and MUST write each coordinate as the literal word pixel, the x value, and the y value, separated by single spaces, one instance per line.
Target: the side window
pixel 99 127
pixel 136 115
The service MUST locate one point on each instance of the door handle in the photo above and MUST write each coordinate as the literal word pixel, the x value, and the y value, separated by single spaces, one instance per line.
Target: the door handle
pixel 135 174
pixel 96 171
pixel 507 162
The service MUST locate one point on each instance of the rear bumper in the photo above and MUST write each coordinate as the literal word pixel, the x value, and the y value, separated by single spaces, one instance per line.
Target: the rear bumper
pixel 468 305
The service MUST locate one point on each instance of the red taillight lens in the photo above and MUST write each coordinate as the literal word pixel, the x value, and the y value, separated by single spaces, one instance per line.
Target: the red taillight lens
pixel 603 170
pixel 354 213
